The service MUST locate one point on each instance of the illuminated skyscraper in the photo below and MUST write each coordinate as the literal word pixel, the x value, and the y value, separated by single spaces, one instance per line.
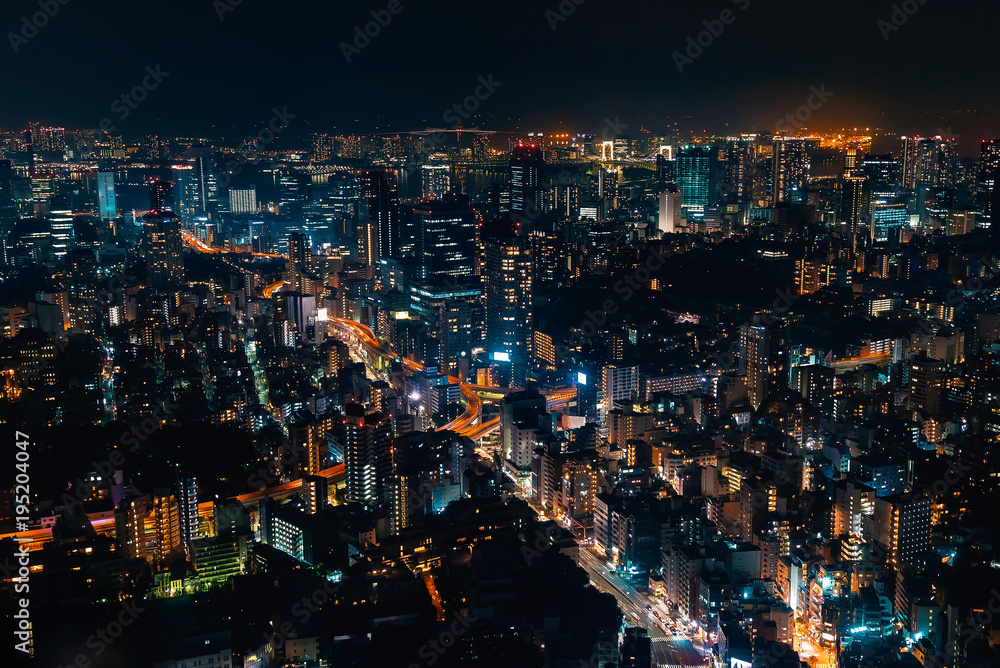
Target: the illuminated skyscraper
pixel 508 277
pixel 198 191
pixel 367 454
pixel 853 202
pixel 696 177
pixel 670 209
pixel 888 218
pixel 378 195
pixel 163 249
pixel 243 201
pixel 299 260
pixel 526 175
pixel 107 207
pixel 791 169
pixel 446 236
pixel 885 176
pixel 764 358
pixel 989 168
pixel 435 181
pixel 161 195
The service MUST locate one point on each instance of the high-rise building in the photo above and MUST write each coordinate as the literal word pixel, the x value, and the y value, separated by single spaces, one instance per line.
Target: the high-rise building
pixel 527 168
pixel 367 454
pixel 161 195
pixel 853 203
pixel 619 384
pixel 379 198
pixel 888 218
pixel 791 169
pixel 454 313
pixel 435 181
pixel 885 176
pixel 446 236
pixel 670 209
pixel 164 249
pixel 299 260
pixel 8 211
pixel 986 176
pixel 520 416
pixel 196 191
pixel 187 507
pixel 903 526
pixel 508 281
pixel 107 207
pixel 764 357
pixel 243 201
pixel 696 178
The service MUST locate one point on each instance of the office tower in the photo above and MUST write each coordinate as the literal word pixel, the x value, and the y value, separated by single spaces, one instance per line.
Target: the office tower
pixel 929 162
pixel 107 207
pixel 43 189
pixel 368 250
pixel 164 250
pixel 435 181
pixel 454 314
pixel 884 174
pixel 367 454
pixel 508 280
pixel 243 201
pixel 854 203
pixel 527 173
pixel 8 211
pixel 670 209
pixel 378 194
pixel 903 526
pixel 738 165
pixel 446 234
pixel 204 190
pixel 986 176
pixel 61 221
pixel 619 384
pixel 696 177
pixel 764 357
pixel 888 218
pixel 299 260
pixel 791 169
pixel 161 195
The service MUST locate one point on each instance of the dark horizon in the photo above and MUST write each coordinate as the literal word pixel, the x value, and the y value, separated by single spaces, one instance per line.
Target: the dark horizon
pixel 596 63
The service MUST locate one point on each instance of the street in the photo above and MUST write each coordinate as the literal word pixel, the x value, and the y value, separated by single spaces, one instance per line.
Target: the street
pixel 671 648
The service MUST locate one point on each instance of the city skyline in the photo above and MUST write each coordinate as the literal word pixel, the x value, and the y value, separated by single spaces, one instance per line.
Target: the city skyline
pixel 559 334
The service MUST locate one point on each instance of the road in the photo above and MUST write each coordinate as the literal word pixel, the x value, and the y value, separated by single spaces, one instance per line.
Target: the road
pixel 670 647
pixel 466 424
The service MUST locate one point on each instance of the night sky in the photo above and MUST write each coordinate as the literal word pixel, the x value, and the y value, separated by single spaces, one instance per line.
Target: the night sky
pixel 606 60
